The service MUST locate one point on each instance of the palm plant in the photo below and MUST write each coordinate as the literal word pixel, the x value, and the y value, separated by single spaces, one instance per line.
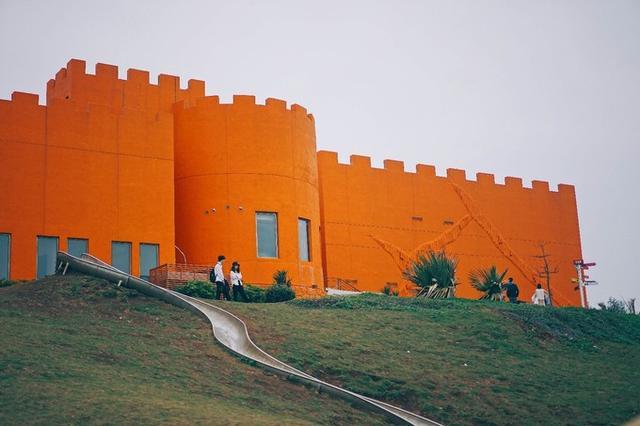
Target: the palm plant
pixel 435 273
pixel 488 281
pixel 281 277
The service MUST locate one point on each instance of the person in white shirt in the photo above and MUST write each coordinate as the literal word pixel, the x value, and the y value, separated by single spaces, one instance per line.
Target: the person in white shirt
pixel 539 296
pixel 236 282
pixel 221 286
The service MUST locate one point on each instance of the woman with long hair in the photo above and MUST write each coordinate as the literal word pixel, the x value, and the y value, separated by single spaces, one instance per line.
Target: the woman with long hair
pixel 236 282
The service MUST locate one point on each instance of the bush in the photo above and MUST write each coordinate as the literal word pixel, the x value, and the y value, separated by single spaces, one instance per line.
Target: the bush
pixel 6 283
pixel 619 306
pixel 109 293
pixel 201 289
pixel 279 293
pixel 281 277
pixel 488 281
pixel 255 294
pixel 387 290
pixel 435 273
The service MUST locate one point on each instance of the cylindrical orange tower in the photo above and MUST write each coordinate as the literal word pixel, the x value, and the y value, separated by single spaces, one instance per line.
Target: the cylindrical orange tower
pixel 246 186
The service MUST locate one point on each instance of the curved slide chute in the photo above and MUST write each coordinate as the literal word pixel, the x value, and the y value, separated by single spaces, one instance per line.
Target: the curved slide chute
pixel 232 332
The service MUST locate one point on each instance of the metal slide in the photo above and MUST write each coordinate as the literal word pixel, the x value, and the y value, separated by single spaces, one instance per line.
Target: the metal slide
pixel 232 332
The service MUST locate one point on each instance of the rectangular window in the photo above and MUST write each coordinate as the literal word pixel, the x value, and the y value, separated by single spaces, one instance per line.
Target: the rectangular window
pixel 47 252
pixel 77 246
pixel 267 234
pixel 303 240
pixel 121 256
pixel 5 255
pixel 148 259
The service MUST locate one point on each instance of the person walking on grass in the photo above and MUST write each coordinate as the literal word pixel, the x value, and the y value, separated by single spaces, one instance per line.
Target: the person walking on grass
pixel 221 287
pixel 236 282
pixel 540 296
pixel 512 291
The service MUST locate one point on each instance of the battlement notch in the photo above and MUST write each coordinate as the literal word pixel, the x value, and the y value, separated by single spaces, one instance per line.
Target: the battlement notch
pixel 485 178
pixel 457 175
pixel 24 98
pixel 394 166
pixel 360 161
pixel 426 170
pixel 328 157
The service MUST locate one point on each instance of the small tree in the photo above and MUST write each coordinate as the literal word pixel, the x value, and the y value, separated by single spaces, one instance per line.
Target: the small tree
pixel 631 306
pixel 488 281
pixel 435 273
pixel 619 306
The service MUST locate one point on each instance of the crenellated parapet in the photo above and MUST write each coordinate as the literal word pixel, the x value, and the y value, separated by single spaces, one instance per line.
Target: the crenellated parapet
pixel 22 100
pixel 22 119
pixel 424 171
pixel 243 101
pixel 135 92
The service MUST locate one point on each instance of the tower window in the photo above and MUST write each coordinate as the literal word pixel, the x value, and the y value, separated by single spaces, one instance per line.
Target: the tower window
pixel 267 234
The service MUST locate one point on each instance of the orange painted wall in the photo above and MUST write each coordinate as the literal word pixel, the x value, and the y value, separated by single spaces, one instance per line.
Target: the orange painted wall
pixel 233 160
pixel 408 209
pixel 96 163
pixel 111 160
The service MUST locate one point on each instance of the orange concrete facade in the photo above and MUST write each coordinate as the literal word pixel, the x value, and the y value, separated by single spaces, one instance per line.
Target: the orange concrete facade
pixel 360 203
pixel 113 160
pixel 238 159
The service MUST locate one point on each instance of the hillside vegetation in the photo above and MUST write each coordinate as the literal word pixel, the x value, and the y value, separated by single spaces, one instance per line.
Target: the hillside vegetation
pixel 78 350
pixel 463 361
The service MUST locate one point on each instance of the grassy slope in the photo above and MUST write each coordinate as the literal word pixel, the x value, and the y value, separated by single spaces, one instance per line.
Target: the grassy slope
pixel 78 350
pixel 524 364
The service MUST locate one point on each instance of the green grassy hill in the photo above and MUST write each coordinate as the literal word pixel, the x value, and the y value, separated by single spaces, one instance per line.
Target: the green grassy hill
pixel 80 350
pixel 77 350
pixel 463 361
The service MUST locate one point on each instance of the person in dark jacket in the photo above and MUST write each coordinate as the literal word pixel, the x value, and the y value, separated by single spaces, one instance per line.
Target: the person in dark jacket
pixel 218 276
pixel 512 291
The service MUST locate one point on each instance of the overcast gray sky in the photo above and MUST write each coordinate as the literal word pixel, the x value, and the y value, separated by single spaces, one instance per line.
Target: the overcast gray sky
pixel 540 89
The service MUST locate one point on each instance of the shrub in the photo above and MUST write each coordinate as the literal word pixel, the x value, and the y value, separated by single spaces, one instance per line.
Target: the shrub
pixel 254 294
pixel 6 283
pixel 201 289
pixel 109 293
pixel 619 306
pixel 279 293
pixel 435 273
pixel 281 277
pixel 389 291
pixel 488 281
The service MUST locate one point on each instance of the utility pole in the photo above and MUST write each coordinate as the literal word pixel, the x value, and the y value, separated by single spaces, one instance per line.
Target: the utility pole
pixel 547 269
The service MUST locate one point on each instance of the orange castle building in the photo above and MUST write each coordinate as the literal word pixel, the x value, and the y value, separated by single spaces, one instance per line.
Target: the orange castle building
pixel 143 174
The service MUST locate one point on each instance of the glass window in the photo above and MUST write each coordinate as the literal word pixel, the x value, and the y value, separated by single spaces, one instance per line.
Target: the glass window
pixel 121 256
pixel 148 259
pixel 5 255
pixel 303 239
pixel 47 251
pixel 77 246
pixel 267 230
